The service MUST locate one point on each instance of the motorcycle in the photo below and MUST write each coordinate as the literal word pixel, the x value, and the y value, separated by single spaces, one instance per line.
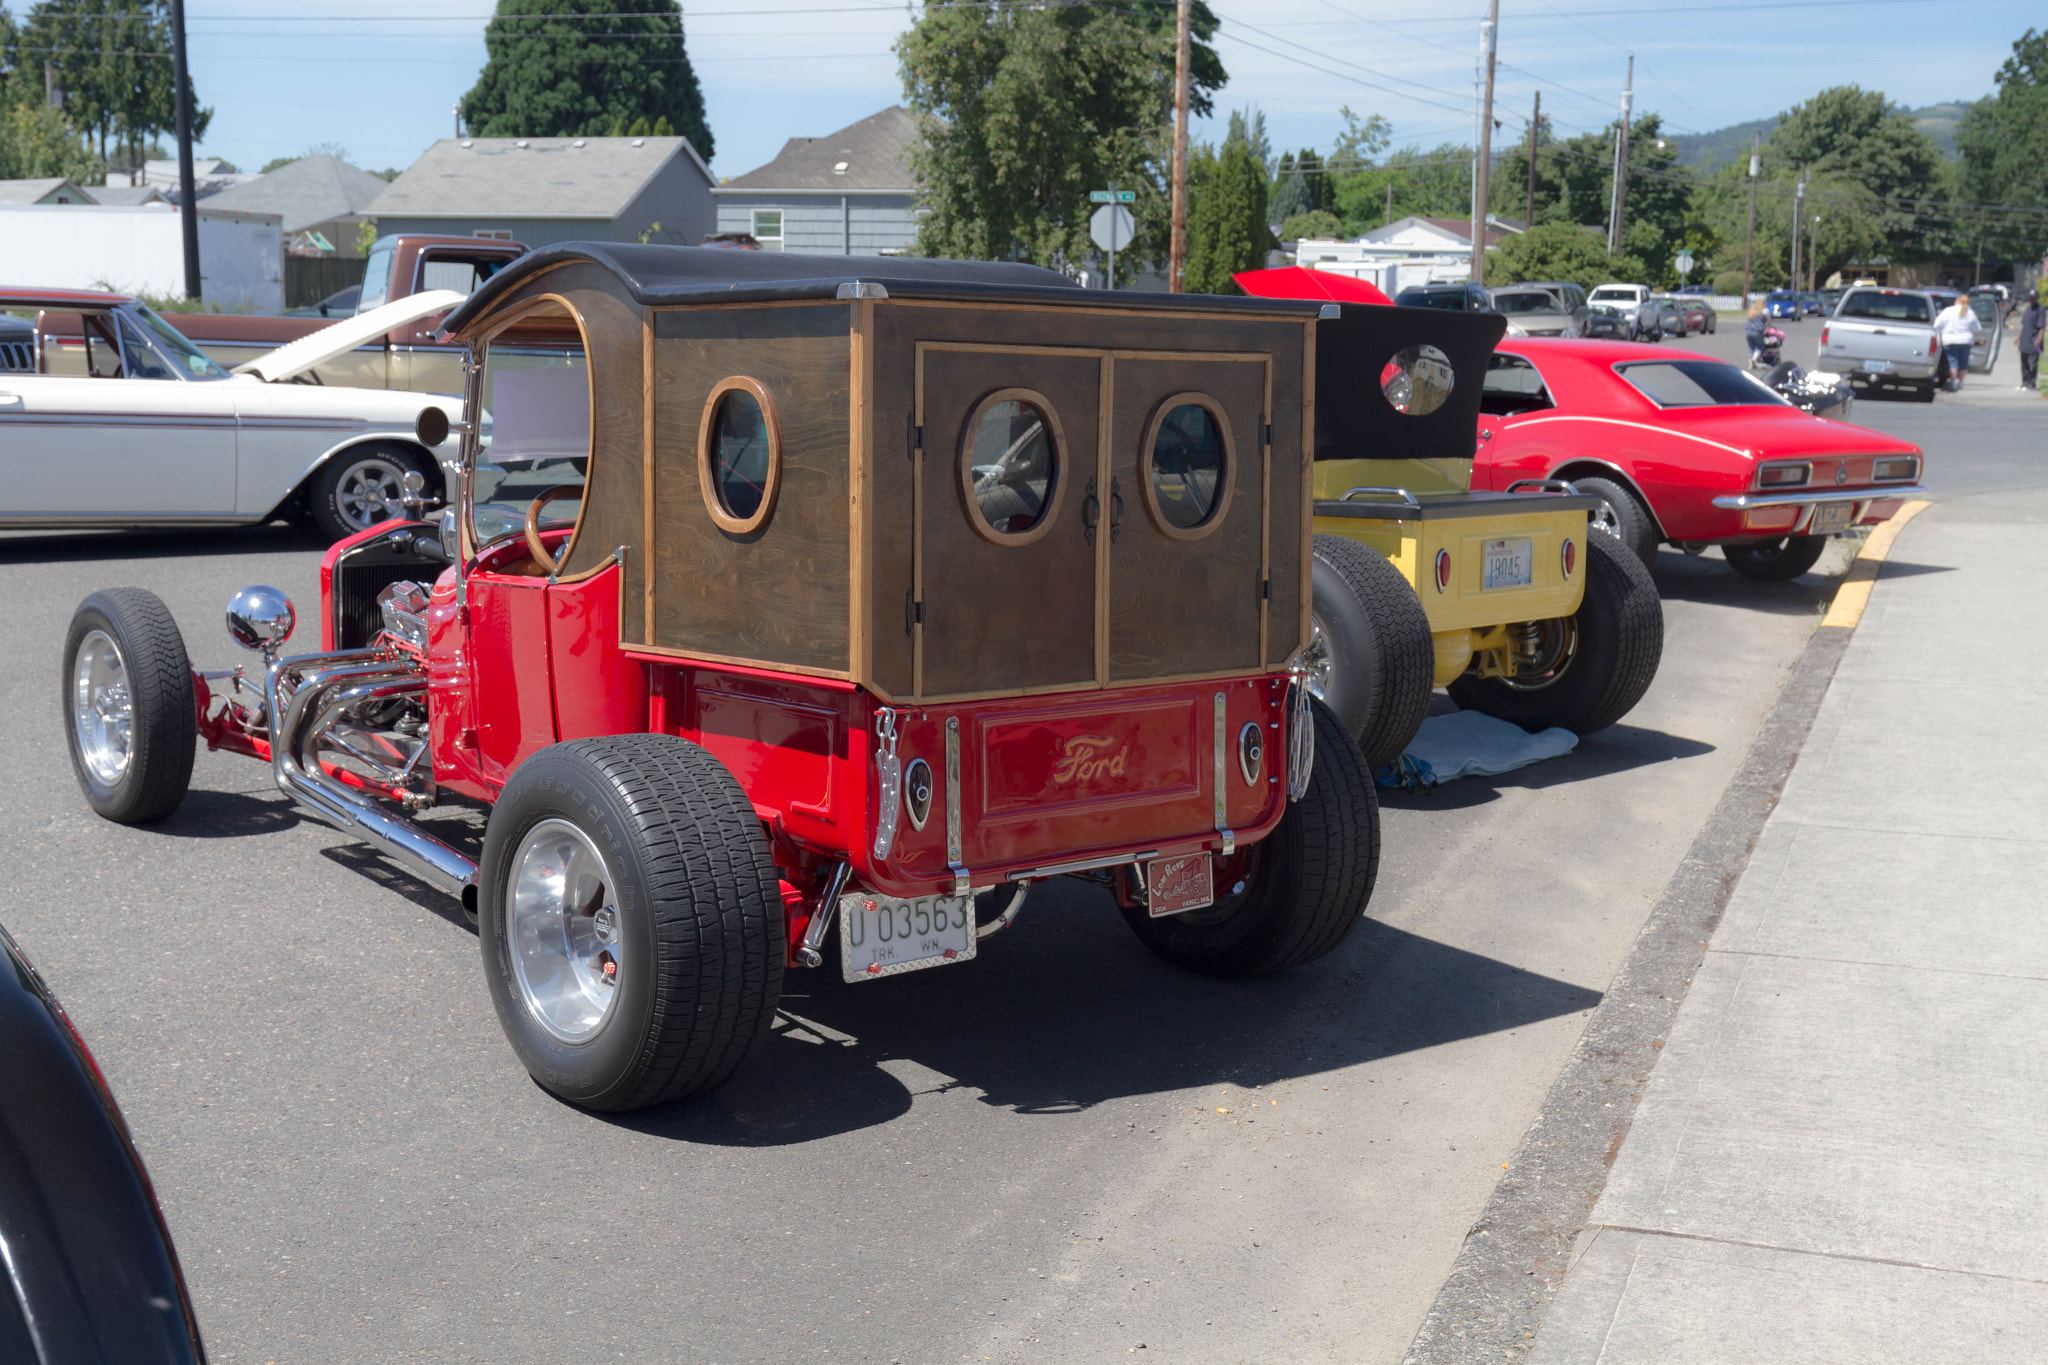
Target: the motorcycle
pixel 1767 355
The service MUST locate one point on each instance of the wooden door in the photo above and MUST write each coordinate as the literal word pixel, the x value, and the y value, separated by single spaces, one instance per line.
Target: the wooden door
pixel 1005 573
pixel 1189 462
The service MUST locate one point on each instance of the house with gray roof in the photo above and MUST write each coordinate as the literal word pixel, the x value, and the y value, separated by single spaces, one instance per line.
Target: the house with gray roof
pixel 127 196
pixel 849 193
pixel 553 189
pixel 54 190
pixel 322 194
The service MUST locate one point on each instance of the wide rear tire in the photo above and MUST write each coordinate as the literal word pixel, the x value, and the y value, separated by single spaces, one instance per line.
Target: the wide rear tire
pixel 1616 640
pixel 131 719
pixel 1622 515
pixel 1372 660
pixel 643 850
pixel 1306 885
pixel 1775 561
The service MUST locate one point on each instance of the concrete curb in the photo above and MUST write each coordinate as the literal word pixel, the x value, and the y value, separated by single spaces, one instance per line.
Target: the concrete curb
pixel 1517 1254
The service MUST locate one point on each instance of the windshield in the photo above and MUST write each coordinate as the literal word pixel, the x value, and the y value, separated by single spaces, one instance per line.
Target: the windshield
pixel 195 363
pixel 1882 305
pixel 1531 302
pixel 1614 294
pixel 534 435
pixel 376 279
pixel 1696 384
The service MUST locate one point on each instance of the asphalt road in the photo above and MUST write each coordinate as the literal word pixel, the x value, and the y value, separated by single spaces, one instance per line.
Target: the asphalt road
pixel 1063 1151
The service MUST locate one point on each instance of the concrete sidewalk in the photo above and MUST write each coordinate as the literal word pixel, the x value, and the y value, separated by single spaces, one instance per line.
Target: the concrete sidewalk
pixel 1842 1153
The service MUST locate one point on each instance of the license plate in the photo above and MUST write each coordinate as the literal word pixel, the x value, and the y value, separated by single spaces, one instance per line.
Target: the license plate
pixel 1830 517
pixel 1878 366
pixel 883 935
pixel 1509 564
pixel 1177 884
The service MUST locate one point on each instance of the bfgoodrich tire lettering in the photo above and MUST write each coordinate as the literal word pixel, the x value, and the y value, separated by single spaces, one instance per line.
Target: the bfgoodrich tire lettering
pixel 357 488
pixel 699 918
pixel 1620 640
pixel 1306 884
pixel 140 704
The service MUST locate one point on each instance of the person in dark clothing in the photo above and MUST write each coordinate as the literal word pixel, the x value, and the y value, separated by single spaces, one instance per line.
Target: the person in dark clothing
pixel 1753 331
pixel 2033 322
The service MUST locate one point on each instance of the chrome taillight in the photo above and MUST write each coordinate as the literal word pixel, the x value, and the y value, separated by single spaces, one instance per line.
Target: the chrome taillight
pixel 1570 556
pixel 1894 469
pixel 1783 475
pixel 1443 570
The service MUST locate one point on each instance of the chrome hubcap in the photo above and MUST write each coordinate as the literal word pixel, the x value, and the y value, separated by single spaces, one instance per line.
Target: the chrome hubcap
pixel 1315 660
pixel 563 922
pixel 1606 518
pixel 102 713
pixel 369 491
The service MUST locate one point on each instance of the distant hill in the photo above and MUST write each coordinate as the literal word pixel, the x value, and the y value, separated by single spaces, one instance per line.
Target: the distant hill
pixel 1729 145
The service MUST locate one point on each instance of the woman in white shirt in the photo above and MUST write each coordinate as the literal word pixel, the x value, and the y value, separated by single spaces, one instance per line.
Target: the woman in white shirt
pixel 1957 329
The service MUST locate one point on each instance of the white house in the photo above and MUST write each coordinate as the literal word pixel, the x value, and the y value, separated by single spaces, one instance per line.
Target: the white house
pixel 849 193
pixel 1406 252
pixel 54 190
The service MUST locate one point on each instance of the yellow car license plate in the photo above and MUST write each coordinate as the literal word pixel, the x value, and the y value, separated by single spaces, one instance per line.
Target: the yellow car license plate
pixel 1508 564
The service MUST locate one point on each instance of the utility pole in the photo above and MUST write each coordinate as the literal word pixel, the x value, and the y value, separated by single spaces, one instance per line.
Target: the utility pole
pixel 1484 167
pixel 1798 207
pixel 1390 198
pixel 1756 155
pixel 1617 218
pixel 188 200
pixel 1177 250
pixel 1535 127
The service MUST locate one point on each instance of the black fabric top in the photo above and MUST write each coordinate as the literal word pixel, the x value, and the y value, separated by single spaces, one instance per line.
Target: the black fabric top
pixel 656 275
pixel 1354 420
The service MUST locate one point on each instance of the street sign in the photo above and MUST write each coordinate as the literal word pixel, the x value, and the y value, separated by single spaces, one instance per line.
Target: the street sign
pixel 1112 227
pixel 1112 196
pixel 1684 263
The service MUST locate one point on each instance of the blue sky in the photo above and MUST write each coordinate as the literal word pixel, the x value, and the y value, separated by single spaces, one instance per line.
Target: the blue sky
pixel 380 77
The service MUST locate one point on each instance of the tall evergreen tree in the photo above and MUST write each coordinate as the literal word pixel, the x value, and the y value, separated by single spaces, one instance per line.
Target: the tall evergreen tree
pixel 592 73
pixel 2004 144
pixel 1227 229
pixel 111 66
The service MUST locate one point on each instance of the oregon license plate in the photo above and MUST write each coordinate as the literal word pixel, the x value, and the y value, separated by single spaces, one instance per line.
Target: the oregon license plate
pixel 1174 885
pixel 883 935
pixel 1508 564
pixel 1830 518
pixel 1877 366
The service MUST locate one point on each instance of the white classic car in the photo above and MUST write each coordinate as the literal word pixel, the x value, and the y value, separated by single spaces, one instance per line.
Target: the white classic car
pixel 109 417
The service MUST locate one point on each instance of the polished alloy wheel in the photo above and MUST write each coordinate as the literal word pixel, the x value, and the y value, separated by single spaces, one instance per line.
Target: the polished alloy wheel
pixel 1315 660
pixel 369 491
pixel 564 931
pixel 101 710
pixel 1607 518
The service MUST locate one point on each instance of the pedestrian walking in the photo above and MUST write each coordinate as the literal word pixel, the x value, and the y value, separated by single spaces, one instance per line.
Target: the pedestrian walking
pixel 2033 322
pixel 1958 330
pixel 1753 332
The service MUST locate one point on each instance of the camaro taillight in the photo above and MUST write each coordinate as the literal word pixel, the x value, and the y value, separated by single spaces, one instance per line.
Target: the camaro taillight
pixel 1783 475
pixel 1896 469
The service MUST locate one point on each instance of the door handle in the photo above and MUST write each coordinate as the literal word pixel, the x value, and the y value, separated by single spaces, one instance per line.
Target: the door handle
pixel 1091 512
pixel 1485 435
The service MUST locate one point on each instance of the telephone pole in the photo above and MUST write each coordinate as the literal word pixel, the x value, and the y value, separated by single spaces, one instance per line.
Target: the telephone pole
pixel 1177 250
pixel 1616 219
pixel 1535 128
pixel 1798 204
pixel 1484 167
pixel 1756 155
pixel 188 200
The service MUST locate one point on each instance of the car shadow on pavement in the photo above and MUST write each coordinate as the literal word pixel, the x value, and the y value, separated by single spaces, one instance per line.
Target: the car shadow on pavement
pixel 1069 1012
pixel 1707 579
pixel 228 815
pixel 57 547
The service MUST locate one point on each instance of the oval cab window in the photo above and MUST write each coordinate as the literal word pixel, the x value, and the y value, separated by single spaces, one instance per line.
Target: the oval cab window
pixel 1418 380
pixel 1187 474
pixel 1010 467
pixel 739 455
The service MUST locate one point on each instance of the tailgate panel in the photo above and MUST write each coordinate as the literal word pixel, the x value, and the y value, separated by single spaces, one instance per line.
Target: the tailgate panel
pixel 1064 759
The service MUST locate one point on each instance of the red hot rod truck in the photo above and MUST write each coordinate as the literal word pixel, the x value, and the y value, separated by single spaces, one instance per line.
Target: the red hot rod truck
pixel 789 593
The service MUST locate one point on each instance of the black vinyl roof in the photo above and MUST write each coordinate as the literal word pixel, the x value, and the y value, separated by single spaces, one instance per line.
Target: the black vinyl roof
pixel 656 275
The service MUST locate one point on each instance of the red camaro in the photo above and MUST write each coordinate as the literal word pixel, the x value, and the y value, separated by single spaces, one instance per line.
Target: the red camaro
pixel 1686 449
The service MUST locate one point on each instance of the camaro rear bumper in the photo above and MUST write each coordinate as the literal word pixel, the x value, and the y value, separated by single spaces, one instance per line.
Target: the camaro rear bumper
pixel 1792 512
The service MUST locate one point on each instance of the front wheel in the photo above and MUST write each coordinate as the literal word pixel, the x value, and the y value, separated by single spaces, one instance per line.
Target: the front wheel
pixel 1775 561
pixel 359 488
pixel 1294 895
pixel 1585 671
pixel 131 718
pixel 630 920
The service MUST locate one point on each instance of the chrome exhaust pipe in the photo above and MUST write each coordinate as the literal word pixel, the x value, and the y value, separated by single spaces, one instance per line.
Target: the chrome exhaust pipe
pixel 313 701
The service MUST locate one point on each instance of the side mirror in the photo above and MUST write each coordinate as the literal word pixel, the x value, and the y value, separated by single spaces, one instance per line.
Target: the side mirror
pixel 431 426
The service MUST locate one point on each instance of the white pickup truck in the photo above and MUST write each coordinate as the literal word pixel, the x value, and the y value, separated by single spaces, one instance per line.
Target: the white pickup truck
pixel 1884 338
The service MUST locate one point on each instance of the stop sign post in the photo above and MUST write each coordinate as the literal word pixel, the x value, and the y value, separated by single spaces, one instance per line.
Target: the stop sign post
pixel 1111 225
pixel 1684 264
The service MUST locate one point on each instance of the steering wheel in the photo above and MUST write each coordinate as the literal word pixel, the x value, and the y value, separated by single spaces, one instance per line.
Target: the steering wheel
pixel 538 550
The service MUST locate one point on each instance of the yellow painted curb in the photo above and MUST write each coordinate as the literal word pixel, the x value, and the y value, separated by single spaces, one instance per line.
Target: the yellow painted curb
pixel 1854 594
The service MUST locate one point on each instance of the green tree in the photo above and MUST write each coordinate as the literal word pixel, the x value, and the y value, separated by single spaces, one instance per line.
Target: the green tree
pixel 1227 229
pixel 1875 161
pixel 591 74
pixel 1025 110
pixel 2003 139
pixel 36 143
pixel 1428 184
pixel 1288 196
pixel 111 65
pixel 1559 251
pixel 1319 223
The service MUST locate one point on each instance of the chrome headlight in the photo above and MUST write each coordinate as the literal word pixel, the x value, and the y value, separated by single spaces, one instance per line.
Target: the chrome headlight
pixel 261 618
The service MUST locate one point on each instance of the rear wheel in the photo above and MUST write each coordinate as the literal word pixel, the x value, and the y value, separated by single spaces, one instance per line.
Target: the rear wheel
pixel 1295 894
pixel 359 488
pixel 1775 561
pixel 1585 671
pixel 131 716
pixel 1370 656
pixel 1621 514
pixel 630 920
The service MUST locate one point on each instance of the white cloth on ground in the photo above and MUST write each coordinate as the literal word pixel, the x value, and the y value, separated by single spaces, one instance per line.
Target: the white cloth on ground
pixel 1469 744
